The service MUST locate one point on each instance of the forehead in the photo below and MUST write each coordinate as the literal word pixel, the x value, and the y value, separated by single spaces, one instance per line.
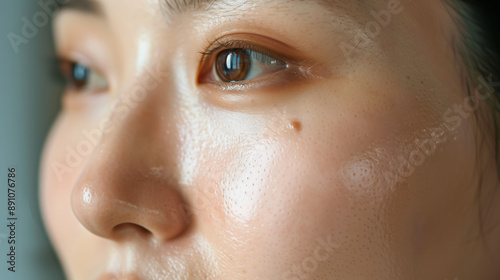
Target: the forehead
pixel 170 10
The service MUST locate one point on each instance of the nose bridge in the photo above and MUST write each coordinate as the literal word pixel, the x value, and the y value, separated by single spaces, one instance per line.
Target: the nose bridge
pixel 129 186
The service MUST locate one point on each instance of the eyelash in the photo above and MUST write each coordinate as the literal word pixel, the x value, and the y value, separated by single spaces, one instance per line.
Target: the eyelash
pixel 220 45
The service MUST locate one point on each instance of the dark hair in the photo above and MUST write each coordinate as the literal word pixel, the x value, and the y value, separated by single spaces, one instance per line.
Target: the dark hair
pixel 477 48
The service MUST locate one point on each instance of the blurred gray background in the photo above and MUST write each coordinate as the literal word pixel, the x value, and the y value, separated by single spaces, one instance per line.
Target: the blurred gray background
pixel 30 91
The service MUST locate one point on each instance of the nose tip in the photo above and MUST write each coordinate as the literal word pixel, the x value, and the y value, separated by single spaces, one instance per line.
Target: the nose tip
pixel 120 216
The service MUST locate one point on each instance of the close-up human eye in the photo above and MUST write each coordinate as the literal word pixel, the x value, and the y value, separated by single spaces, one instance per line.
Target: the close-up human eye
pixel 82 78
pixel 251 139
pixel 239 64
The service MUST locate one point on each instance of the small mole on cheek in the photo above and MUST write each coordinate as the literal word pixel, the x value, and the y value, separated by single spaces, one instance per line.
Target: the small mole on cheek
pixel 296 125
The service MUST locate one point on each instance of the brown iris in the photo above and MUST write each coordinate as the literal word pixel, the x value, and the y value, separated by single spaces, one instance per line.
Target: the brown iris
pixel 232 65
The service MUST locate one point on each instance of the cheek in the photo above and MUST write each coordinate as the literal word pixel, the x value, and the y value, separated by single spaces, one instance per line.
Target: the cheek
pixel 285 195
pixel 56 185
pixel 287 204
pixel 318 174
pixel 60 169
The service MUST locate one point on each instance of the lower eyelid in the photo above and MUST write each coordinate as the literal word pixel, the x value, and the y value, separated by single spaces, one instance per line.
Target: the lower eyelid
pixel 268 81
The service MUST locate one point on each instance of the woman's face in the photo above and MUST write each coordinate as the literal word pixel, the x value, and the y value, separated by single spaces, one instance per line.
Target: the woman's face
pixel 255 139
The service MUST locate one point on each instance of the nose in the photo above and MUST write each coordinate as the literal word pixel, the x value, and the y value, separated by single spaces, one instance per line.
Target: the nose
pixel 129 188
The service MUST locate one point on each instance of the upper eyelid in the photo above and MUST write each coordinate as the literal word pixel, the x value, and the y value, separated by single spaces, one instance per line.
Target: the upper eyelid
pixel 229 45
pixel 214 47
pixel 220 45
pixel 255 42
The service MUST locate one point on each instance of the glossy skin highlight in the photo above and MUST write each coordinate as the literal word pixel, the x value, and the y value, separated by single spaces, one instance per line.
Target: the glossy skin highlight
pixel 281 178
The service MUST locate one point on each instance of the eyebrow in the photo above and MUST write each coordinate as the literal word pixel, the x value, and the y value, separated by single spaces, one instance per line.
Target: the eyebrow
pixel 181 6
pixel 89 6
pixel 174 7
pixel 169 8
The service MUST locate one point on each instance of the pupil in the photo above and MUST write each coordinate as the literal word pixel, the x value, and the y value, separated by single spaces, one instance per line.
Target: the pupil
pixel 233 64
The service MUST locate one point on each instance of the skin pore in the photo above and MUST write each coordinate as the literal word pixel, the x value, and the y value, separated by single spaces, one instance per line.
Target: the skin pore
pixel 158 169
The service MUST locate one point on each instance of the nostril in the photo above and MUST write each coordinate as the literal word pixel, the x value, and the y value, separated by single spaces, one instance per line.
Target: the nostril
pixel 128 230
